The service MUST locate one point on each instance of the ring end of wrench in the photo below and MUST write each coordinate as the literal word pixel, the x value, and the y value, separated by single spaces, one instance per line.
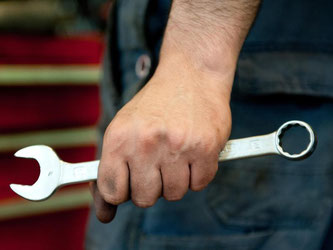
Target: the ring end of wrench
pixel 305 153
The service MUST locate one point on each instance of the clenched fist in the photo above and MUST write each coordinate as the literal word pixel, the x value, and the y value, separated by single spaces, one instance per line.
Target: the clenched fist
pixel 167 139
pixel 164 141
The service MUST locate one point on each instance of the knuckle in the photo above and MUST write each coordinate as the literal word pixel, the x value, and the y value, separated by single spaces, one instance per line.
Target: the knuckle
pixel 146 139
pixel 143 203
pixel 107 181
pixel 110 191
pixel 116 131
pixel 202 181
pixel 211 168
pixel 174 190
pixel 111 136
pixel 150 136
pixel 112 199
pixel 173 197
pixel 177 140
pixel 209 144
pixel 198 187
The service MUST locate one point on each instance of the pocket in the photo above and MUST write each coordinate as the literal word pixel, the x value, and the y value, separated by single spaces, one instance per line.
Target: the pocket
pixel 270 191
pixel 285 72
pixel 189 224
pixel 250 241
pixel 289 49
pixel 255 197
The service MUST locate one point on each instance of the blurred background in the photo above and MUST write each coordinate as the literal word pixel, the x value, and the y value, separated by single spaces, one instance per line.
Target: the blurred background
pixel 50 55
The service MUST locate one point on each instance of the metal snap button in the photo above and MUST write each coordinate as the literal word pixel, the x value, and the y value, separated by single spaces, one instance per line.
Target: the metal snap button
pixel 142 66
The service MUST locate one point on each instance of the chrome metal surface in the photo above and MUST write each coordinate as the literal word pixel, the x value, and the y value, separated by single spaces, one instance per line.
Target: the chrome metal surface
pixel 267 145
pixel 55 173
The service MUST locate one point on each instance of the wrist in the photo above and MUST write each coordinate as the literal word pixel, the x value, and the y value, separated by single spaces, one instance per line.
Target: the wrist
pixel 208 34
pixel 214 65
pixel 204 58
pixel 179 71
pixel 207 52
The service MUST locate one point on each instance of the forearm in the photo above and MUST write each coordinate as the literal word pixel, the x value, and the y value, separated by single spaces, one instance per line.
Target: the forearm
pixel 208 33
pixel 168 137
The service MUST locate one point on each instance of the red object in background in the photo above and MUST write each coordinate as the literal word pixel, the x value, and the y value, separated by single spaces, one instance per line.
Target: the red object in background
pixel 26 171
pixel 63 230
pixel 30 108
pixel 17 49
pixel 59 231
pixel 40 107
pixel 46 107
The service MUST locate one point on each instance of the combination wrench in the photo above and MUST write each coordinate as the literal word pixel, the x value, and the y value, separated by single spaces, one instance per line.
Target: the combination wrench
pixel 55 173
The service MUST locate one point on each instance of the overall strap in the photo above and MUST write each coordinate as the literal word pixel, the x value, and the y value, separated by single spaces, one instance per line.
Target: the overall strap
pixel 132 14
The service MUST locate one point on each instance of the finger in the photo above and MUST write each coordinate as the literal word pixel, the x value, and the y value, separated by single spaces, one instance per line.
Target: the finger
pixel 113 179
pixel 176 180
pixel 202 173
pixel 146 184
pixel 105 212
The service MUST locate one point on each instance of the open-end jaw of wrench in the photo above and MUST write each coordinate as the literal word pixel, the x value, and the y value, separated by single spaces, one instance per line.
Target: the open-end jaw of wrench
pixel 55 173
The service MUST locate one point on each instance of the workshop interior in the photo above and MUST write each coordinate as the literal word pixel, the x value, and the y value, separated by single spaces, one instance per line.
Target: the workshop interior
pixel 50 56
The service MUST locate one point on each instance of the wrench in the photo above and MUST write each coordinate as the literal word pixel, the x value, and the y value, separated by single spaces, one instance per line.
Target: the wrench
pixel 55 173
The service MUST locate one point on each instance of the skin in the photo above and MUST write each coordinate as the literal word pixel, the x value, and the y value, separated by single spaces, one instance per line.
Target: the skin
pixel 166 140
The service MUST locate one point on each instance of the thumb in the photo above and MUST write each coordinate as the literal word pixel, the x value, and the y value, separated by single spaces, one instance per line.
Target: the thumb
pixel 105 212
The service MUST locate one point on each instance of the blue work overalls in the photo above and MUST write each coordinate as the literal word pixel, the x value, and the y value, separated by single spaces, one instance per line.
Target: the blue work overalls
pixel 285 72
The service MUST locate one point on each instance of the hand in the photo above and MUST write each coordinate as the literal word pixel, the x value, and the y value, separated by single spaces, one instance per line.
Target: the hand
pixel 165 140
pixel 168 137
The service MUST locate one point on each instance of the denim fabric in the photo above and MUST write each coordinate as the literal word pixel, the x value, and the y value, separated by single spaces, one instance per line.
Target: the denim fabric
pixel 266 203
pixel 289 49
